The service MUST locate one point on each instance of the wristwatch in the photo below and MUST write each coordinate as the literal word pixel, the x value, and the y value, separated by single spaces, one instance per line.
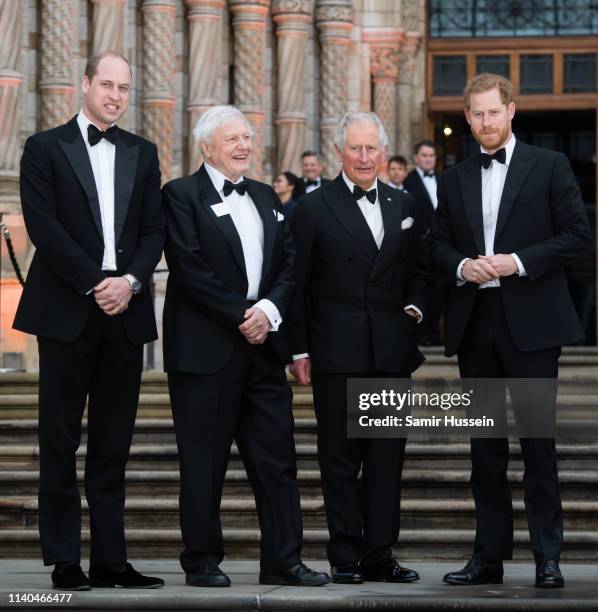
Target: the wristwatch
pixel 135 284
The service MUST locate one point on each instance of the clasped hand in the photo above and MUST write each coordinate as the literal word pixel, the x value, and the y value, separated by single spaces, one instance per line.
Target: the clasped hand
pixel 488 267
pixel 256 326
pixel 112 295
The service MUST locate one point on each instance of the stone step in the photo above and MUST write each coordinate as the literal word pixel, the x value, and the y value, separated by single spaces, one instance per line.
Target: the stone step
pixel 415 544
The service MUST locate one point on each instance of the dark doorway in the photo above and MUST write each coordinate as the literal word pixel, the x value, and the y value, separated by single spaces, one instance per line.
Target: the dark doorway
pixel 574 134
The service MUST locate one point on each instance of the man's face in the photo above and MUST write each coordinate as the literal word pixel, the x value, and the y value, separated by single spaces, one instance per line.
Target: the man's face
pixel 310 167
pixel 362 154
pixel 490 119
pixel 106 96
pixel 425 158
pixel 397 172
pixel 229 148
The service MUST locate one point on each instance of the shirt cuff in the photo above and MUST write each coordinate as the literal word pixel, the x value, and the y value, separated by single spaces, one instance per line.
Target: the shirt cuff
pixel 270 310
pixel 300 356
pixel 419 312
pixel 460 279
pixel 521 270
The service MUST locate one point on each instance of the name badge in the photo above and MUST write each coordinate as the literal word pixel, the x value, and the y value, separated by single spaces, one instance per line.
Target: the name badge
pixel 220 209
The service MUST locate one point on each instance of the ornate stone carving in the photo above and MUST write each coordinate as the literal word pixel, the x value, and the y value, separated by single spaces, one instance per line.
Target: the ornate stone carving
pixel 407 57
pixel 204 17
pixel 158 70
pixel 108 25
pixel 59 42
pixel 334 10
pixel 412 14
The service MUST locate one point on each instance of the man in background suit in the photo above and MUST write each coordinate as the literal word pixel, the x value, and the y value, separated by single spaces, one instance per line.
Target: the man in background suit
pixel 362 279
pixel 397 171
pixel 230 255
pixel 311 171
pixel 90 194
pixel 421 183
pixel 509 218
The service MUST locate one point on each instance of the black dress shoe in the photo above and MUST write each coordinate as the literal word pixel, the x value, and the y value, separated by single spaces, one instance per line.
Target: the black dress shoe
pixel 208 575
pixel 129 578
pixel 548 576
pixel 477 571
pixel 389 571
pixel 347 573
pixel 70 578
pixel 298 575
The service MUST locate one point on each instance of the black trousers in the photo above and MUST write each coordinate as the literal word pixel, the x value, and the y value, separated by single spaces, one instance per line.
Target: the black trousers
pixel 363 514
pixel 249 401
pixel 487 351
pixel 103 365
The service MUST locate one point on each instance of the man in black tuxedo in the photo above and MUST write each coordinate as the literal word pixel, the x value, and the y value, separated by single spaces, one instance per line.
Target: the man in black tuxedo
pixel 230 255
pixel 508 220
pixel 362 277
pixel 90 194
pixel 311 171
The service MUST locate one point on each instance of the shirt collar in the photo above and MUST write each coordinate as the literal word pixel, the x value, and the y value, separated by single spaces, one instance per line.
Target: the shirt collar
pixel 218 177
pixel 421 172
pixel 509 148
pixel 350 184
pixel 84 122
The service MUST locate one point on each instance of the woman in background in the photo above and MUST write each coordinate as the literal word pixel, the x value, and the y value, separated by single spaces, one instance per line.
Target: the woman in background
pixel 289 188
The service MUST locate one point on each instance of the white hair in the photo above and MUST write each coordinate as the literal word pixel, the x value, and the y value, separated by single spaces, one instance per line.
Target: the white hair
pixel 215 117
pixel 352 117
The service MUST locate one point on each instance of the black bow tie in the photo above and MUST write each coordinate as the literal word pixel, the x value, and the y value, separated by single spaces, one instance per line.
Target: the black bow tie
pixel 430 174
pixel 358 192
pixel 308 183
pixel 240 187
pixel 500 156
pixel 94 135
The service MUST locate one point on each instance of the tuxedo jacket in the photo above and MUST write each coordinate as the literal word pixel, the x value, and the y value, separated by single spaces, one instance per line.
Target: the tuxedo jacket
pixel 206 293
pixel 414 185
pixel 62 216
pixel 541 218
pixel 347 310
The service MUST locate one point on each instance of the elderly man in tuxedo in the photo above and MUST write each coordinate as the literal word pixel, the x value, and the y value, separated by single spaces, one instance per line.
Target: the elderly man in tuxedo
pixel 90 193
pixel 508 220
pixel 362 277
pixel 230 256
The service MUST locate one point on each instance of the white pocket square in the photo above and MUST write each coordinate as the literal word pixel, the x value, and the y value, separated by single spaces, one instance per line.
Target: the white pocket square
pixel 279 216
pixel 407 223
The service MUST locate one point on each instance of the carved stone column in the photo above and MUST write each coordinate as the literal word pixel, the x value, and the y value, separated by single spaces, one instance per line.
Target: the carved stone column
pixel 205 44
pixel 249 23
pixel 384 64
pixel 108 26
pixel 334 20
pixel 59 41
pixel 292 18
pixel 407 59
pixel 158 69
pixel 11 20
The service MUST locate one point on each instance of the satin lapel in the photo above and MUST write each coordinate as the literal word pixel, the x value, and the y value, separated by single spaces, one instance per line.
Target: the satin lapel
pixel 209 196
pixel 265 207
pixel 392 215
pixel 125 167
pixel 76 152
pixel 470 178
pixel 345 209
pixel 521 164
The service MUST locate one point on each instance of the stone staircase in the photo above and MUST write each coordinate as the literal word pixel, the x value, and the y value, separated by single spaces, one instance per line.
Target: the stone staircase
pixel 437 510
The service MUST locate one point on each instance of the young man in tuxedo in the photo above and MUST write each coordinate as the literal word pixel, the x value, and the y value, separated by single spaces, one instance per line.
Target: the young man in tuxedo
pixel 230 255
pixel 508 220
pixel 90 194
pixel 311 171
pixel 362 276
pixel 397 171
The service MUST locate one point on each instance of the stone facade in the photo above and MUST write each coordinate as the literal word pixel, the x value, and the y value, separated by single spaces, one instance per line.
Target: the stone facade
pixel 293 66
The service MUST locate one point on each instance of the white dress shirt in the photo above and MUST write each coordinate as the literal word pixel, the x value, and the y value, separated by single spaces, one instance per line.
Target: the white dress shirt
pixel 430 185
pixel 102 157
pixel 493 182
pixel 250 228
pixel 310 188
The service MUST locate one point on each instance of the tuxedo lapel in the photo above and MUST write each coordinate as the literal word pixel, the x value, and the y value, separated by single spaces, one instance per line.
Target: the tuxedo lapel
pixel 76 152
pixel 208 197
pixel 344 207
pixel 125 166
pixel 519 167
pixel 470 178
pixel 392 216
pixel 264 205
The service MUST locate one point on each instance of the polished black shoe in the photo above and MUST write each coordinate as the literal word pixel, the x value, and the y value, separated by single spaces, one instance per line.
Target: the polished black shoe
pixel 477 571
pixel 347 573
pixel 208 575
pixel 129 578
pixel 389 571
pixel 298 575
pixel 70 578
pixel 548 576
